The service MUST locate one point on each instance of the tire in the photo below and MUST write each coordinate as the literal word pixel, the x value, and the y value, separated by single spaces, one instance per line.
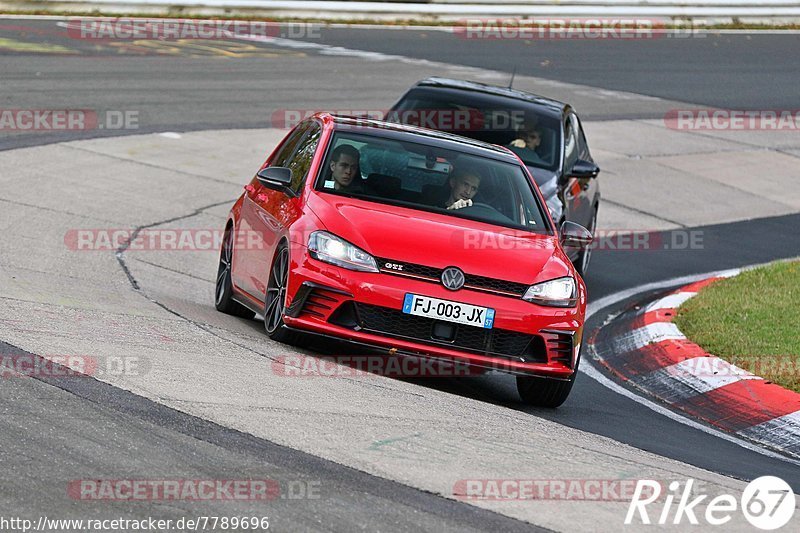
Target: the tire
pixel 582 261
pixel 545 392
pixel 223 294
pixel 275 299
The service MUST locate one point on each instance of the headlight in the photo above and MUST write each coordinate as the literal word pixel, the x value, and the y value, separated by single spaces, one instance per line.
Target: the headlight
pixel 331 249
pixel 560 292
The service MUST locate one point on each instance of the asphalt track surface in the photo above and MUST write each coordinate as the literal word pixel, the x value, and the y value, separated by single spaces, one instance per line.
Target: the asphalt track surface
pixel 116 428
pixel 727 70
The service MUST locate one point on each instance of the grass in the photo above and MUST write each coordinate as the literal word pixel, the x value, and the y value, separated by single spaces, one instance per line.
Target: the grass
pixel 752 320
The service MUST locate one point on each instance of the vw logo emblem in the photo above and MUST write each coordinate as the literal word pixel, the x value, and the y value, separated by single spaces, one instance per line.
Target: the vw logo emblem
pixel 452 278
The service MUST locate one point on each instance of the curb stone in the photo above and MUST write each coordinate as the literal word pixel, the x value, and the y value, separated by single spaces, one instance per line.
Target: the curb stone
pixel 644 348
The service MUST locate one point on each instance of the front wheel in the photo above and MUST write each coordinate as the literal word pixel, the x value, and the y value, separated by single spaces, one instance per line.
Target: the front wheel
pixel 275 299
pixel 545 392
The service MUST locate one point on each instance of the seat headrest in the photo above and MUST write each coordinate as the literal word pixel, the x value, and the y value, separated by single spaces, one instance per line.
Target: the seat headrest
pixel 384 185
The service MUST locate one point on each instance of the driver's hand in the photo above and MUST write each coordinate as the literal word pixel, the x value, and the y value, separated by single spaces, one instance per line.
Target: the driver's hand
pixel 518 143
pixel 458 204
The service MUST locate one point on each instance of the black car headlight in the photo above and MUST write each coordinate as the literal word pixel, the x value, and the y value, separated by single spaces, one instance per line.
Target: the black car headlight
pixel 331 249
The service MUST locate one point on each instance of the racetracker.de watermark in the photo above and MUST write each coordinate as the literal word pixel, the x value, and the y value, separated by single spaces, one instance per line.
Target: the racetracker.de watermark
pixel 733 119
pixel 437 119
pixel 55 365
pixel 785 366
pixel 67 119
pixel 622 240
pixel 557 28
pixel 193 489
pixel 159 239
pixel 338 366
pixel 126 29
pixel 609 490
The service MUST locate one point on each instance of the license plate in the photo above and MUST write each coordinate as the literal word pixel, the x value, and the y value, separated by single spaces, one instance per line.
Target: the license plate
pixel 471 315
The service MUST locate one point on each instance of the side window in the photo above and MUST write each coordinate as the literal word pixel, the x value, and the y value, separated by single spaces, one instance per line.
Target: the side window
pixel 570 143
pixel 301 159
pixel 289 146
pixel 583 146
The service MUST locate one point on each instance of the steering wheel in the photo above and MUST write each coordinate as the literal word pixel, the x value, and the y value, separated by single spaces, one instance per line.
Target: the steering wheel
pixel 480 206
pixel 487 212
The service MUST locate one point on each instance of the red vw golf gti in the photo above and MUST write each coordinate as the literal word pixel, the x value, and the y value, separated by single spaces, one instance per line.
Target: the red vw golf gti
pixel 409 242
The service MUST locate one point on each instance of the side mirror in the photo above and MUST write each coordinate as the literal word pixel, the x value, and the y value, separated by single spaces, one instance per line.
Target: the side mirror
pixel 584 169
pixel 275 177
pixel 574 235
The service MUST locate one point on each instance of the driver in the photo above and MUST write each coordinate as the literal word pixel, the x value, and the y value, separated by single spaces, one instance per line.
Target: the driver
pixel 529 141
pixel 464 186
pixel 344 169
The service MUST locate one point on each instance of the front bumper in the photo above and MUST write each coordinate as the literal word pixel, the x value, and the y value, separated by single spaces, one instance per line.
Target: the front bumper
pixel 366 308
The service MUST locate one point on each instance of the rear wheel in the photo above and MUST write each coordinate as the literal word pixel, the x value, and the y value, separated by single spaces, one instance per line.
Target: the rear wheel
pixel 223 299
pixel 275 299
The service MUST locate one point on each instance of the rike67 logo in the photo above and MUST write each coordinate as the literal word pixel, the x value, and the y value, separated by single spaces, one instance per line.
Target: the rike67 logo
pixel 767 503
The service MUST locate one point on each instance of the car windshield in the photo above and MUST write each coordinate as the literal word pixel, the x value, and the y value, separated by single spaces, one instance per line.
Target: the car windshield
pixel 420 176
pixel 514 125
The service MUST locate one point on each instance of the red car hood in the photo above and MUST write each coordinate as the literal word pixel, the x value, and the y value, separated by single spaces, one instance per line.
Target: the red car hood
pixel 412 236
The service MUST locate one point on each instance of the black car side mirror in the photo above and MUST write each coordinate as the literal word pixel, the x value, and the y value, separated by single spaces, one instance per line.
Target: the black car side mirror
pixel 574 235
pixel 584 169
pixel 278 178
pixel 275 176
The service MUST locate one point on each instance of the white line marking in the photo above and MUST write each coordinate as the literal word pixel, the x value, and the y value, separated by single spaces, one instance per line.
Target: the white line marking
pixel 611 299
pixel 704 374
pixel 650 334
pixel 671 301
pixel 783 431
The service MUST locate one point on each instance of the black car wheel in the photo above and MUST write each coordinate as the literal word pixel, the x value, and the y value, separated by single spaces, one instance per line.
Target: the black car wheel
pixel 223 299
pixel 545 392
pixel 582 261
pixel 275 299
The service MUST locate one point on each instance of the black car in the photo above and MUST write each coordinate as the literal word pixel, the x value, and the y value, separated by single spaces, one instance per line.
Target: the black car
pixel 561 163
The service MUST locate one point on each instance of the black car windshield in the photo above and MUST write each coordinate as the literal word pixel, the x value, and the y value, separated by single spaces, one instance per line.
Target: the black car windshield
pixel 534 137
pixel 420 176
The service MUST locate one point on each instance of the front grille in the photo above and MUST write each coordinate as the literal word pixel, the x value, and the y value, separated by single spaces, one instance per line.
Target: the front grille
pixel 492 284
pixel 494 342
pixel 411 268
pixel 433 275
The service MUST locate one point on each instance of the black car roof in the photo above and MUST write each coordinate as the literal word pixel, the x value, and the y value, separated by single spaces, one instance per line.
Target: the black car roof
pixel 541 103
pixel 439 139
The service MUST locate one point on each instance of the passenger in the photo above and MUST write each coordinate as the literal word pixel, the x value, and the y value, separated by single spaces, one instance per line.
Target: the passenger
pixel 344 169
pixel 464 186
